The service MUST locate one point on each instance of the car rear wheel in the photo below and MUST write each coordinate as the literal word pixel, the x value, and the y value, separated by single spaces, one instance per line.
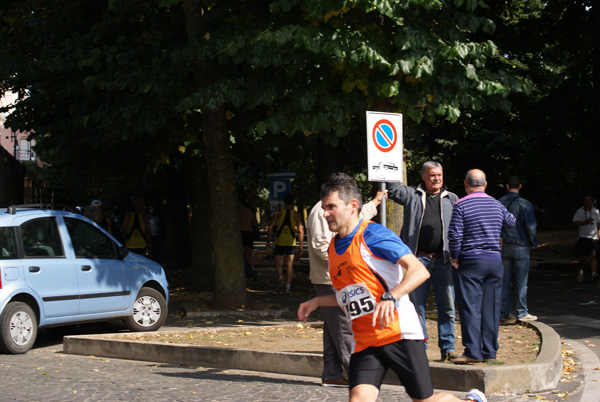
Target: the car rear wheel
pixel 149 311
pixel 18 328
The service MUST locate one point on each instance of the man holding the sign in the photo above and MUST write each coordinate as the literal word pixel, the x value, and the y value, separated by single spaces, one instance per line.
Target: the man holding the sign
pixel 366 265
pixel 427 212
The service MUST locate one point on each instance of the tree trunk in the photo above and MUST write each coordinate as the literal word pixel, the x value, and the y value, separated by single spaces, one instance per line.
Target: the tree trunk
pixel 326 163
pixel 203 264
pixel 230 281
pixel 180 236
pixel 395 211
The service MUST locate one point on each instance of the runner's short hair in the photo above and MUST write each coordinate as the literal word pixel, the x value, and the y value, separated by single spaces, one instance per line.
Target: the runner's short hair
pixel 345 186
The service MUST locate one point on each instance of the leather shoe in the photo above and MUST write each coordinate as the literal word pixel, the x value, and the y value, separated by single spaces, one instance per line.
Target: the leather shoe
pixel 449 355
pixel 510 320
pixel 465 360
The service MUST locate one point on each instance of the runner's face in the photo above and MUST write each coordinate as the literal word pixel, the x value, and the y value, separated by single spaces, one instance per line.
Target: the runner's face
pixel 337 213
pixel 433 179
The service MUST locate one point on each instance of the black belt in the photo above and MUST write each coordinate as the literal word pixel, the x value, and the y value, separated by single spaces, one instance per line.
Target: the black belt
pixel 431 256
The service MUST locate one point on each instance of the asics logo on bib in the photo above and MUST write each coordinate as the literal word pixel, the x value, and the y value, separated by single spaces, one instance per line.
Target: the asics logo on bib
pixel 351 294
pixel 356 292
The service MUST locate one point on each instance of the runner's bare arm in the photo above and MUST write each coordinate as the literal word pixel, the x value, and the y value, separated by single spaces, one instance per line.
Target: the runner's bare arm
pixel 311 305
pixel 272 225
pixel 300 229
pixel 415 274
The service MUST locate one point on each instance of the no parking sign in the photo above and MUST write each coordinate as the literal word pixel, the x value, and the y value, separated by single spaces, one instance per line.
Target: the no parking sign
pixel 384 146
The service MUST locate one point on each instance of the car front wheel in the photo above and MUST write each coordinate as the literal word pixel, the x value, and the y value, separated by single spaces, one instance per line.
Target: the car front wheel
pixel 149 311
pixel 18 329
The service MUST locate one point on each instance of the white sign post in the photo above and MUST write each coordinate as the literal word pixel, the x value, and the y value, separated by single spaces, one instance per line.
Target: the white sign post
pixel 384 146
pixel 384 150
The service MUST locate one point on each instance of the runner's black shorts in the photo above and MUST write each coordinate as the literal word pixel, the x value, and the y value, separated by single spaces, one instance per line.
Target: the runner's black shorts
pixel 406 357
pixel 284 250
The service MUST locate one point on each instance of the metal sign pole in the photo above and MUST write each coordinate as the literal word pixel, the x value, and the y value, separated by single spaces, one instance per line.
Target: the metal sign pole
pixel 382 206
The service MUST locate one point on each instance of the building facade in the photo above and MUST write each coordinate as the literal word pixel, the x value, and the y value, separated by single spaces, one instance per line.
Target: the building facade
pixel 17 184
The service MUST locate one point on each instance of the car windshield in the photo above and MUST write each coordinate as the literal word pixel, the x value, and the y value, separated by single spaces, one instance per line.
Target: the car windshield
pixel 8 243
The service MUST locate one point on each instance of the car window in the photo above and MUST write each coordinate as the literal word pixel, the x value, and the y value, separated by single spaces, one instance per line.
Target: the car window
pixel 88 241
pixel 8 243
pixel 41 238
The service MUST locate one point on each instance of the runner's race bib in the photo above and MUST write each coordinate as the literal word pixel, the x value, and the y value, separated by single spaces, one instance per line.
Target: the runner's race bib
pixel 356 300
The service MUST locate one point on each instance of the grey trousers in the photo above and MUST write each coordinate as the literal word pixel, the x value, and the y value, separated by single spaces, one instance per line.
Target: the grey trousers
pixel 337 338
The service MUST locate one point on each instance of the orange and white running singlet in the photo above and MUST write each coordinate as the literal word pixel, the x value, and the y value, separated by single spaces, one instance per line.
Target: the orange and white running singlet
pixel 359 276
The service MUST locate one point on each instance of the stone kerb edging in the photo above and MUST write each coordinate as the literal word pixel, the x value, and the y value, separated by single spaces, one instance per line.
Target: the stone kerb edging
pixel 541 375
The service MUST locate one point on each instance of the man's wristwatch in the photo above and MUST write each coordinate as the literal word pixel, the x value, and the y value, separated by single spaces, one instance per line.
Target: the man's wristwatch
pixel 388 296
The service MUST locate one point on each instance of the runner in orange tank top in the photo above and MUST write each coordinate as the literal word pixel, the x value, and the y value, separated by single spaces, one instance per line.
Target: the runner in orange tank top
pixel 361 264
pixel 374 272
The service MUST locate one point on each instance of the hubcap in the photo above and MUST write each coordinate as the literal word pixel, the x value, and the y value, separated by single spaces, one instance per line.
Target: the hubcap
pixel 21 328
pixel 146 311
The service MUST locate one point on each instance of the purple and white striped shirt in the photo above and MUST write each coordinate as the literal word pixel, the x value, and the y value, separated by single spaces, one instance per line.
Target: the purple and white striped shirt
pixel 474 231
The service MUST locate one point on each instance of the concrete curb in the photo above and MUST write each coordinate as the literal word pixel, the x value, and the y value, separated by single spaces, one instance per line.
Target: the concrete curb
pixel 542 375
pixel 209 313
pixel 590 365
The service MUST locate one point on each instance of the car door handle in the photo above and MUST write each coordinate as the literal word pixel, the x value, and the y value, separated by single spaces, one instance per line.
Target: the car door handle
pixel 86 267
pixel 34 269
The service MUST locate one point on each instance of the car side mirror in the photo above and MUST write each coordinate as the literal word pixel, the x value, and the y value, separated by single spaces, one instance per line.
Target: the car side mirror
pixel 122 252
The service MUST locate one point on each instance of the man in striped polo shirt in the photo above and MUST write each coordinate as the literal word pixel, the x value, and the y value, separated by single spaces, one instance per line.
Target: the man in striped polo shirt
pixel 474 243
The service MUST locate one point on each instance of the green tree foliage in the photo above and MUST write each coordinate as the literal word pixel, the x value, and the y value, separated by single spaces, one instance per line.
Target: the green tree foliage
pixel 310 70
pixel 552 44
pixel 121 87
pixel 94 78
pixel 547 138
pixel 314 67
pixel 99 93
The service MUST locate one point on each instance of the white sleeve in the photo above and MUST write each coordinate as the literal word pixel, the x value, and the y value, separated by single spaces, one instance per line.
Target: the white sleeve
pixel 368 211
pixel 319 235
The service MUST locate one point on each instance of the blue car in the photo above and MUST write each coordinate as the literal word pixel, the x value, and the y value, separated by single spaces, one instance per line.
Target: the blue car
pixel 60 268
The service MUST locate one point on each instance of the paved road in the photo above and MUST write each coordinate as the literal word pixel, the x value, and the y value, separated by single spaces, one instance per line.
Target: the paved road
pixel 572 308
pixel 46 375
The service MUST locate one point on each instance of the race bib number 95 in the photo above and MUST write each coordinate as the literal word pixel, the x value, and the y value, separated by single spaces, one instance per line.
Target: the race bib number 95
pixel 356 300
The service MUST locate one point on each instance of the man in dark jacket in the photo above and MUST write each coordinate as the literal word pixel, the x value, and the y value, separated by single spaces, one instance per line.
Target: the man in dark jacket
pixel 427 213
pixel 516 242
